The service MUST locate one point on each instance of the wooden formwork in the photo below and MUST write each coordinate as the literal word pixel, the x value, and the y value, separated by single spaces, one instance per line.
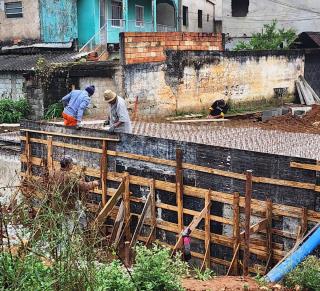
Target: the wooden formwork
pixel 265 249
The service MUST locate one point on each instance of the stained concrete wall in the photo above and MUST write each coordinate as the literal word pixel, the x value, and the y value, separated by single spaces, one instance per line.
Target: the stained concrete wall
pixel 27 27
pixel 227 159
pixel 11 86
pixel 296 14
pixel 191 81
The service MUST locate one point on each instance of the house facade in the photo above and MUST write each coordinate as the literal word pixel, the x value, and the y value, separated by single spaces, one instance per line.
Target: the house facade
pixel 197 16
pixel 38 21
pixel 103 20
pixel 241 18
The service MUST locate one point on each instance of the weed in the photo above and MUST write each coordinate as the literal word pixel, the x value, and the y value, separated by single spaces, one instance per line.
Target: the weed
pixel 306 275
pixel 205 275
pixel 54 111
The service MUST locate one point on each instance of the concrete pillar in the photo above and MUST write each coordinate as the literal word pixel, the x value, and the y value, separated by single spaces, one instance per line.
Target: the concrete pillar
pixel 154 14
pixel 125 14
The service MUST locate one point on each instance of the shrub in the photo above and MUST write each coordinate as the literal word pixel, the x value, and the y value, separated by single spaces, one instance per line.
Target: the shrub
pixel 205 275
pixel 306 275
pixel 156 270
pixel 113 277
pixel 54 111
pixel 12 111
pixel 26 273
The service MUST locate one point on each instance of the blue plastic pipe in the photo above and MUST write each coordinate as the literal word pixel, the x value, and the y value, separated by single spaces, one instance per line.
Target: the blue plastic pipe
pixel 277 273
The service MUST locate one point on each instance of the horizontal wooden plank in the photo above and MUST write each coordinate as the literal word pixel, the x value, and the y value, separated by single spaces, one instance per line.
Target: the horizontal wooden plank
pixel 52 133
pixel 305 166
pixel 257 205
pixel 239 176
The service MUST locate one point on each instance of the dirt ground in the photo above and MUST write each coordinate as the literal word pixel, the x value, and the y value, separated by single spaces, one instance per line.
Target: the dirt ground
pixel 222 283
pixel 309 123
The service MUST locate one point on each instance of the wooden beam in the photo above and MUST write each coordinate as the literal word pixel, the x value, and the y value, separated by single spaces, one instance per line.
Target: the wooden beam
pixel 236 234
pixel 261 225
pixel 140 222
pixel 126 199
pixel 117 227
pixel 152 236
pixel 68 135
pixel 246 256
pixel 257 205
pixel 105 211
pixel 27 151
pixel 272 181
pixel 302 166
pixel 234 258
pixel 179 187
pixel 192 226
pixel 50 155
pixel 124 231
pixel 207 240
pixel 103 172
pixel 269 233
pixel 304 222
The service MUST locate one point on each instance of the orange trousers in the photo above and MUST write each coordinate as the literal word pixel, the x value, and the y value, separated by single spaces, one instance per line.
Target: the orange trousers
pixel 69 120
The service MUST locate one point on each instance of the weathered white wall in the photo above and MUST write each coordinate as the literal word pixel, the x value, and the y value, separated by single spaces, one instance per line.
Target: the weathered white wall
pixel 11 86
pixel 9 175
pixel 238 78
pixel 207 8
pixel 289 14
pixel 27 27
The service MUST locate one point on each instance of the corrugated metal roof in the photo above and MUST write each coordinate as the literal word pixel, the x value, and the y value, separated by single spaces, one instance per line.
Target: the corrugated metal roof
pixel 315 36
pixel 25 63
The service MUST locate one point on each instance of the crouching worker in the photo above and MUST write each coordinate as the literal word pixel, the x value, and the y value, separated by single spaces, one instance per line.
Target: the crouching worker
pixel 75 103
pixel 119 119
pixel 70 192
pixel 218 109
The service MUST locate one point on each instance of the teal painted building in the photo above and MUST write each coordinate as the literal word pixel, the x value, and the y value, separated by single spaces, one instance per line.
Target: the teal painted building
pixel 58 20
pixel 101 21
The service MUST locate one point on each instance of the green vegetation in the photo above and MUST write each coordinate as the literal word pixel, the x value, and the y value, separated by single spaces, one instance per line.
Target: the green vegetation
pixel 54 111
pixel 205 275
pixel 271 38
pixel 12 111
pixel 57 250
pixel 306 275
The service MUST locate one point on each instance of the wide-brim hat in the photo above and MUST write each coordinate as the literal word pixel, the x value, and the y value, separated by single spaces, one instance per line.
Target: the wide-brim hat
pixel 109 96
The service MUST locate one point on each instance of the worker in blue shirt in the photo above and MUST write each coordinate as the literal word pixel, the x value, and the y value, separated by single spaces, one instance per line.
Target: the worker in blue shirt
pixel 75 103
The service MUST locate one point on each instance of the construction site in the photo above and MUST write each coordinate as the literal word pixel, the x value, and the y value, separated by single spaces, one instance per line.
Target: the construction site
pixel 237 196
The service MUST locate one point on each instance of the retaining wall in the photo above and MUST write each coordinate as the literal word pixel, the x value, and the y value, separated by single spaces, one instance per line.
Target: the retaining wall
pixel 230 161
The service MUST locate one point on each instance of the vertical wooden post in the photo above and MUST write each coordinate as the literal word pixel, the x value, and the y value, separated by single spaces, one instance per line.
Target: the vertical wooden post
pixel 104 172
pixel 269 233
pixel 207 230
pixel 236 232
pixel 126 199
pixel 179 188
pixel 28 153
pixel 304 222
pixel 127 254
pixel 49 154
pixel 246 255
pixel 153 212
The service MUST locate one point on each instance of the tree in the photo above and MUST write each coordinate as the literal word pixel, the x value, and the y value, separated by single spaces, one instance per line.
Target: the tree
pixel 271 38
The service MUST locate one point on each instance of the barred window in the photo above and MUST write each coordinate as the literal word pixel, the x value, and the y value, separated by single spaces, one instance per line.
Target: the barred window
pixel 13 9
pixel 116 13
pixel 139 15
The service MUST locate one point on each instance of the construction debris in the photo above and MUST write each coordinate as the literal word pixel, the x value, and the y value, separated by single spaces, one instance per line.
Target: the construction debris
pixel 306 93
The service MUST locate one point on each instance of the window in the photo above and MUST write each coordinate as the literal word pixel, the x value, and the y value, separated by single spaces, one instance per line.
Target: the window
pixel 116 10
pixel 240 8
pixel 208 17
pixel 200 18
pixel 13 9
pixel 139 16
pixel 185 16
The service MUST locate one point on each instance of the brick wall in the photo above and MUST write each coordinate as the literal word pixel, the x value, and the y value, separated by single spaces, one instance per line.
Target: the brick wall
pixel 147 47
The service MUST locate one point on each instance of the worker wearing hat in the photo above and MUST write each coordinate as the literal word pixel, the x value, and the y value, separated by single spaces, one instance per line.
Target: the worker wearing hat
pixel 119 119
pixel 75 103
